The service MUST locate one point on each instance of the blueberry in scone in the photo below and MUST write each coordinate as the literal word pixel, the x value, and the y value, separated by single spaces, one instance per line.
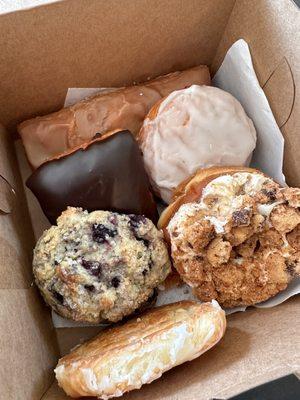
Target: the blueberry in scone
pixel 99 266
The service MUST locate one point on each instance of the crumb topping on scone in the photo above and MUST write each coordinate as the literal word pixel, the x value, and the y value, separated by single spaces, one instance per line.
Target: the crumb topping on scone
pixel 238 244
pixel 99 266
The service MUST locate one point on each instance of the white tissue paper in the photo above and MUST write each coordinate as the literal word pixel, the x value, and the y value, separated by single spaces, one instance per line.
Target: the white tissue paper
pixel 236 75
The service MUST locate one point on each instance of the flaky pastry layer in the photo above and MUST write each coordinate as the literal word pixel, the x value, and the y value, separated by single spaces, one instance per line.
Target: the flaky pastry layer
pixel 126 357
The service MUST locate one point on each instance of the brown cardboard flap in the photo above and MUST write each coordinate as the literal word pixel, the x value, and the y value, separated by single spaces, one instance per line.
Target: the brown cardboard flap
pixel 28 345
pixel 99 43
pixel 7 196
pixel 38 218
pixel 280 87
pixel 68 338
pixel 16 238
pixel 271 28
pixel 75 43
pixel 54 393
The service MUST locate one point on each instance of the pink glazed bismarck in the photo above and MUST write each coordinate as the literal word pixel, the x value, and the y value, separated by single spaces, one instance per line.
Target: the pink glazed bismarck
pixel 193 128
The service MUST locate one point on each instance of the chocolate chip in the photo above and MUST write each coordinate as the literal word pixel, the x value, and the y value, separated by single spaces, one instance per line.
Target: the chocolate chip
pixel 144 272
pixel 89 288
pixel 101 233
pixel 93 267
pixel 55 262
pixel 241 217
pixel 257 246
pixel 115 282
pixel 58 296
pixel 271 194
pixel 190 245
pixel 290 267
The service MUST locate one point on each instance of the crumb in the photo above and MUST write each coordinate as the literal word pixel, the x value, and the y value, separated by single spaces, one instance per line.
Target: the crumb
pixel 284 218
pixel 218 251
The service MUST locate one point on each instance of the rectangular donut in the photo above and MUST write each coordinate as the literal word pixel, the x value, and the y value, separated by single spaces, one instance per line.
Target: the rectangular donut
pixel 51 135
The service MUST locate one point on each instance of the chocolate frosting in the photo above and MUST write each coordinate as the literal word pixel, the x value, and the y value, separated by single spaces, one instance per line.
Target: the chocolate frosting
pixel 105 174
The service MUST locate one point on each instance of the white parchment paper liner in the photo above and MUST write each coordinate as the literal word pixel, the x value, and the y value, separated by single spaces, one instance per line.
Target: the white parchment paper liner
pixel 236 75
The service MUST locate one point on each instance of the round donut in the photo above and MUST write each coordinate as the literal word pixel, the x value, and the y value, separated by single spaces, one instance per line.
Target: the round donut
pixel 197 127
pixel 238 243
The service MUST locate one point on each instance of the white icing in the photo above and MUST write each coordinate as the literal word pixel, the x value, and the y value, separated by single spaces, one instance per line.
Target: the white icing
pixel 225 190
pixel 218 224
pixel 59 371
pixel 266 209
pixel 195 128
pixel 254 183
pixel 90 379
pixel 238 261
pixel 186 210
pixel 216 305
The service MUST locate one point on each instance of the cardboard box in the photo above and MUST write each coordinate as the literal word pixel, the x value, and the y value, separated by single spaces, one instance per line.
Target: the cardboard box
pixel 81 43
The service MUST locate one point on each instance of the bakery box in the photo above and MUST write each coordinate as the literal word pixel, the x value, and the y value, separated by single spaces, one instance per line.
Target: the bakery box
pixel 88 43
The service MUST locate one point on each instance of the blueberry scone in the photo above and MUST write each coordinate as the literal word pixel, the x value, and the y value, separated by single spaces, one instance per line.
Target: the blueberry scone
pixel 99 266
pixel 235 235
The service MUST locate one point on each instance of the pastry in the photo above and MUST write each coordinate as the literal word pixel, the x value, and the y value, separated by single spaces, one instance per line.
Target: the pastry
pixel 193 128
pixel 190 190
pixel 234 236
pixel 48 136
pixel 99 266
pixel 126 357
pixel 105 174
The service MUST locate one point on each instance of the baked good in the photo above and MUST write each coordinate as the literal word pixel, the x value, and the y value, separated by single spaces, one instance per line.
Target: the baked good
pixel 99 266
pixel 190 190
pixel 106 174
pixel 237 243
pixel 126 357
pixel 194 128
pixel 48 136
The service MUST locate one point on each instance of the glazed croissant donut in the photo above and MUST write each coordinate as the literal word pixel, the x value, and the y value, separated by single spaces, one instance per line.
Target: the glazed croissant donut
pixel 234 235
pixel 126 357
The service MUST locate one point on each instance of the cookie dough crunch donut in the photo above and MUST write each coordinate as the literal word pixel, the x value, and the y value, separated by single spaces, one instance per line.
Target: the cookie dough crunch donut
pixel 238 242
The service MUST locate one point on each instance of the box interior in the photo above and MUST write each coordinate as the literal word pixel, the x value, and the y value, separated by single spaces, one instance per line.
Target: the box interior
pixel 78 43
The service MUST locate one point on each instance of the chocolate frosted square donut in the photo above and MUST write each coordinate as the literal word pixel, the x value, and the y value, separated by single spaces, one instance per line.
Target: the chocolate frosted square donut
pixel 105 174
